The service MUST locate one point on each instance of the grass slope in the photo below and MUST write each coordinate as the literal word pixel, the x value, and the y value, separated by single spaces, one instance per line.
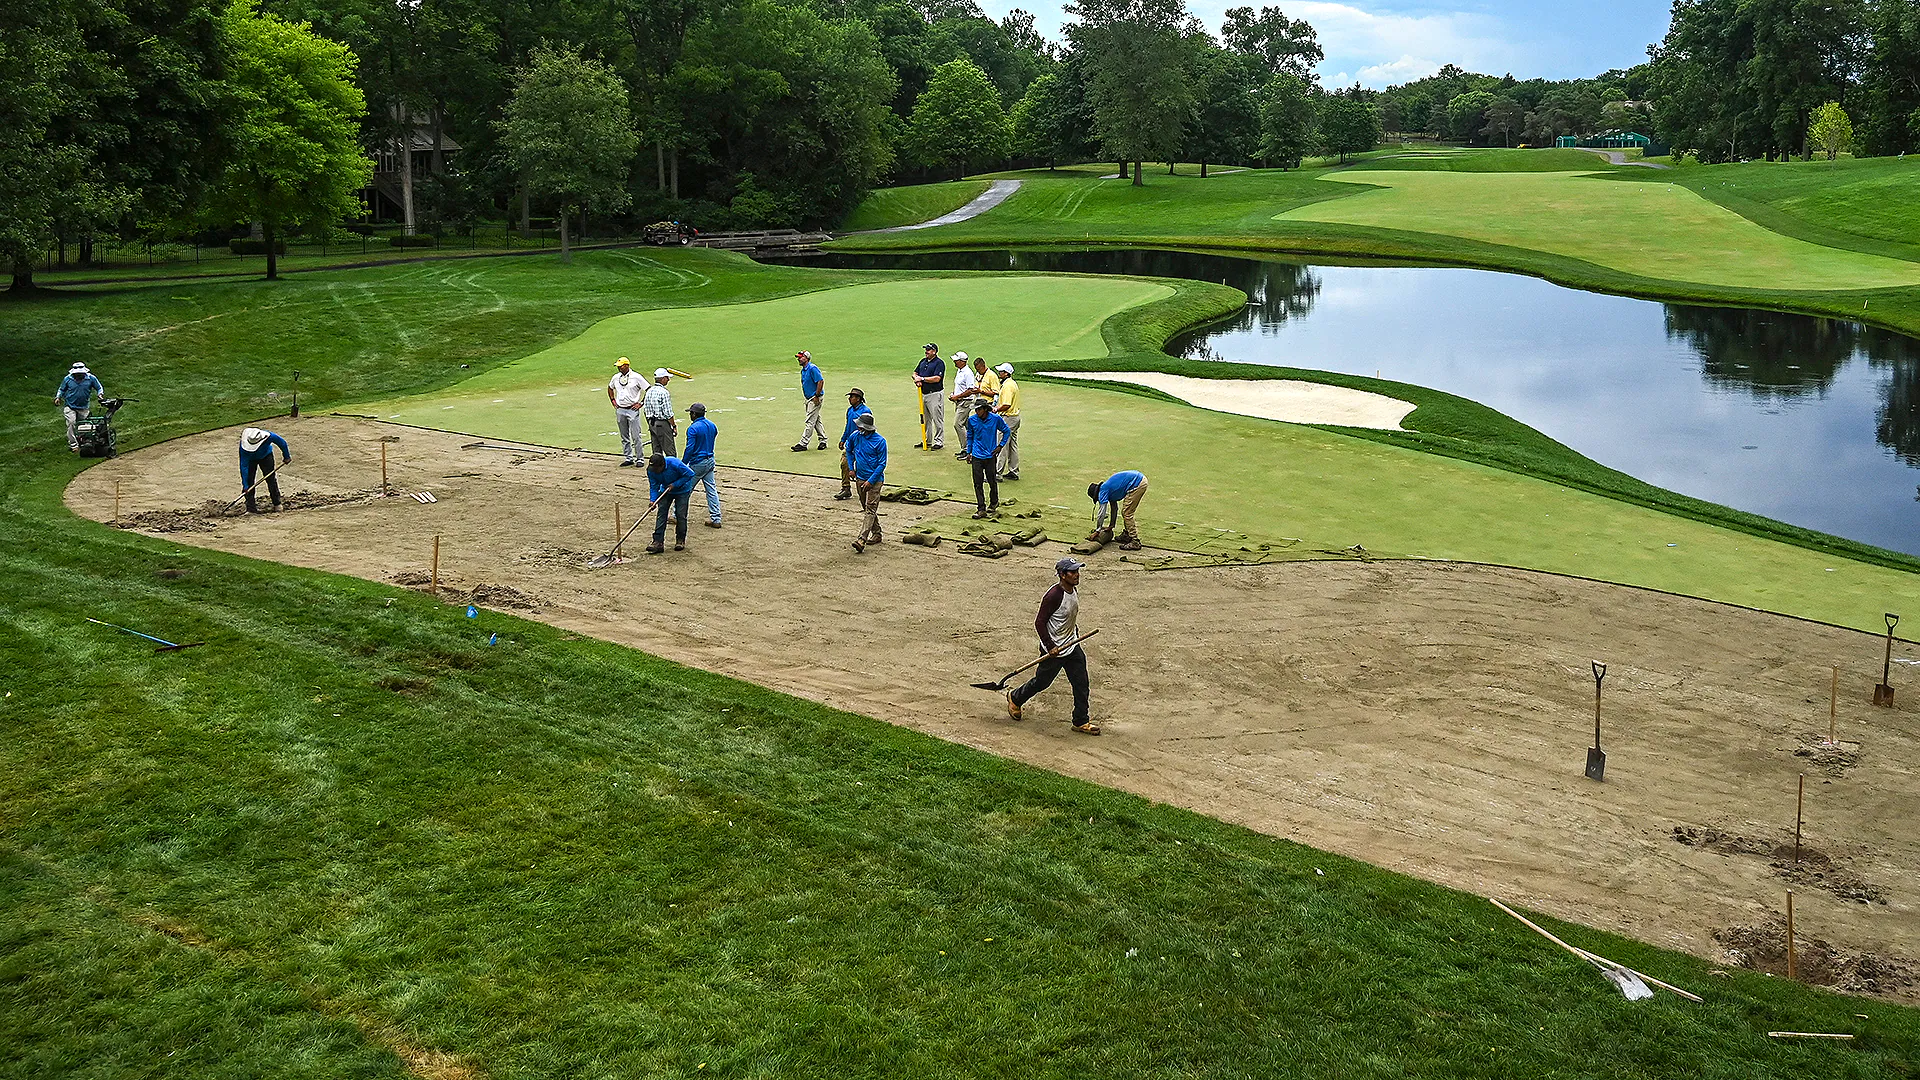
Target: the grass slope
pixel 347 834
pixel 1478 500
pixel 911 205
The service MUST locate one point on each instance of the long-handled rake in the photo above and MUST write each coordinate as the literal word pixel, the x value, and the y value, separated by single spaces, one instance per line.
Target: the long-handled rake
pixel 1008 677
pixel 600 561
pixel 165 645
pixel 265 475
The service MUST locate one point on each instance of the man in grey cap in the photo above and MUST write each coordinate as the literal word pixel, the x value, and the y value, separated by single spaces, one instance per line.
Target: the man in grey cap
pixel 75 398
pixel 657 406
pixel 1058 625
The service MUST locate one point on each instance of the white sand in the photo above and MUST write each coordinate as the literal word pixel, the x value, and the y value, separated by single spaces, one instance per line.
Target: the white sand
pixel 1290 400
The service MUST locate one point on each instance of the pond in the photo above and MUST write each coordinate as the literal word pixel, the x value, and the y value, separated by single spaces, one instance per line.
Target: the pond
pixel 1806 420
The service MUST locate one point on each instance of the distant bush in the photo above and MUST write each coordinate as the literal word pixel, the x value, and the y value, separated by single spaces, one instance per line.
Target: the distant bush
pixel 417 240
pixel 243 246
pixel 167 253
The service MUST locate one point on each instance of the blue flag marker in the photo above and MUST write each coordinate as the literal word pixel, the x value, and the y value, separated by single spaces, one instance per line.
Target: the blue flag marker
pixel 493 639
pixel 472 612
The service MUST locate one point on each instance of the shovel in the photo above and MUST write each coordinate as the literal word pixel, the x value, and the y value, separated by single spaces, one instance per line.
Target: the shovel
pixel 1597 758
pixel 600 561
pixel 1002 684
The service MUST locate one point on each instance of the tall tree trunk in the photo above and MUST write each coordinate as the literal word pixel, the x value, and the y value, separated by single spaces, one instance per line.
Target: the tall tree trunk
pixel 659 165
pixel 566 253
pixel 673 169
pixel 1138 168
pixel 1203 168
pixel 273 261
pixel 22 273
pixel 437 164
pixel 406 182
pixel 526 209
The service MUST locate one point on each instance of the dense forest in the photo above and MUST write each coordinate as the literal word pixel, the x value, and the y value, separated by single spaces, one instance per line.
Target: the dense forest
pixel 164 118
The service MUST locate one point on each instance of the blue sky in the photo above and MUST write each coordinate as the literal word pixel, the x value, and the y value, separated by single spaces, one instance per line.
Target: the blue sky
pixel 1378 44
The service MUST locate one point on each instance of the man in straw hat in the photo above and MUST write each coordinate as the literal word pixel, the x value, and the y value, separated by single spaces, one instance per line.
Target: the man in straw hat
pixel 856 408
pixel 657 405
pixel 867 453
pixel 75 397
pixel 256 454
pixel 625 391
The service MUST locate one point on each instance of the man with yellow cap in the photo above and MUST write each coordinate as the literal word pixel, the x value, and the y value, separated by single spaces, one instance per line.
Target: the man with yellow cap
pixel 625 391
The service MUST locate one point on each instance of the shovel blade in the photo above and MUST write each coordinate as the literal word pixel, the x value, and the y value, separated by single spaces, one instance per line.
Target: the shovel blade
pixel 1001 685
pixel 1596 763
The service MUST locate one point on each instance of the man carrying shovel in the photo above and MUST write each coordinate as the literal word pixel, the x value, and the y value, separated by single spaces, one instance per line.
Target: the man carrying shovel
pixel 256 454
pixel 1058 625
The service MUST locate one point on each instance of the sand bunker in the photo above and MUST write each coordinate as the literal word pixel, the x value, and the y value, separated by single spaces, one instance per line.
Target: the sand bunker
pixel 1290 400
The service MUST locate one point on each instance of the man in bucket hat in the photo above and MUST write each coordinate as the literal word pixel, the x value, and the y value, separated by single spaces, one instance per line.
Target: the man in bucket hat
pixel 256 454
pixel 856 408
pixel 75 397
pixel 1058 625
pixel 867 458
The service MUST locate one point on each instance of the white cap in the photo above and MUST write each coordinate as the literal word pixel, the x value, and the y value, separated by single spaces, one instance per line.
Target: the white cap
pixel 662 373
pixel 1005 369
pixel 252 439
pixel 78 369
pixel 958 356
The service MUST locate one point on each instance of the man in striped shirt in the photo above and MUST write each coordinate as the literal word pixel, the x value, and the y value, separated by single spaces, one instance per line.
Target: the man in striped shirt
pixel 1058 625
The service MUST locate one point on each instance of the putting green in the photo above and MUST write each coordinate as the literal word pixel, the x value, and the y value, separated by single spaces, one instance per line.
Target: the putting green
pixel 1653 229
pixel 1210 470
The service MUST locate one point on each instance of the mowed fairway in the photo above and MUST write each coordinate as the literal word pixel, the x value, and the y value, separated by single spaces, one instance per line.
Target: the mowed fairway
pixel 1650 228
pixel 1210 470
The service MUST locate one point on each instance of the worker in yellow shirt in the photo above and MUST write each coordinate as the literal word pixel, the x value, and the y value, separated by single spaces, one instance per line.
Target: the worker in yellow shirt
pixel 1009 410
pixel 989 383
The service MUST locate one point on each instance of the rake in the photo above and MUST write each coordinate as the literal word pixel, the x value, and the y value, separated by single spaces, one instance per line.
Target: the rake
pixel 599 561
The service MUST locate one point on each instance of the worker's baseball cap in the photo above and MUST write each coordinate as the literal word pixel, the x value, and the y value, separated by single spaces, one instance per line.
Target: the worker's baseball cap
pixel 252 439
pixel 623 362
pixel 983 403
pixel 959 357
pixel 803 355
pixel 864 421
pixel 1005 369
pixel 1067 566
pixel 662 373
pixel 931 347
pixel 696 410
pixel 854 391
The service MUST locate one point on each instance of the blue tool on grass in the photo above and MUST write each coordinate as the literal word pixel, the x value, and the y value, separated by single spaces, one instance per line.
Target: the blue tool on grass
pixel 165 645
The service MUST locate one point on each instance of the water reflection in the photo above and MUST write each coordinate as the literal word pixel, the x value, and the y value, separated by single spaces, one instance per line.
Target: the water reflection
pixel 1807 420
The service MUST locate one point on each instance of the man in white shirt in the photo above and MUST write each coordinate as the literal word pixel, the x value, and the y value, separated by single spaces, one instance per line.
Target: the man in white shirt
pixel 964 382
pixel 625 391
pixel 657 406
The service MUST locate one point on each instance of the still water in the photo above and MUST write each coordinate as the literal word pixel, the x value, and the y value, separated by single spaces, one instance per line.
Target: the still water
pixel 1810 421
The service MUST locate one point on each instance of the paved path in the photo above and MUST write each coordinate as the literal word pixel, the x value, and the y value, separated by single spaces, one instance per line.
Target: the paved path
pixel 996 193
pixel 1619 158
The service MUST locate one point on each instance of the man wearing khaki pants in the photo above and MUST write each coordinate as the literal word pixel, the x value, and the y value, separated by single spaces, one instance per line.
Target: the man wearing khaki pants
pixel 1009 410
pixel 1114 502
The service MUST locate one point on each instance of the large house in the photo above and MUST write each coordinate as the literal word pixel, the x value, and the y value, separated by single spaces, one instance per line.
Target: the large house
pixel 415 153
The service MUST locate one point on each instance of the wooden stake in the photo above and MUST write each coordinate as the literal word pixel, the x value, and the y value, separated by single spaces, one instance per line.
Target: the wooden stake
pixel 1833 704
pixel 1792 968
pixel 436 562
pixel 617 534
pixel 383 469
pixel 1806 1035
pixel 1799 809
pixel 116 502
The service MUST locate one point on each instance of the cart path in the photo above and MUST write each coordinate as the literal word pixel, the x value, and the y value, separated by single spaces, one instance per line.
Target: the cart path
pixel 1618 158
pixel 997 192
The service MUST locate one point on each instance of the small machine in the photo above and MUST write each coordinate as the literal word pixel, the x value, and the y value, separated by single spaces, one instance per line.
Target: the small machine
pixel 665 233
pixel 95 432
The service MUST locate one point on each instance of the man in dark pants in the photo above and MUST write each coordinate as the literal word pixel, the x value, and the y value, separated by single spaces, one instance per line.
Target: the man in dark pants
pixel 931 379
pixel 1059 630
pixel 256 453
pixel 856 408
pixel 986 434
pixel 670 485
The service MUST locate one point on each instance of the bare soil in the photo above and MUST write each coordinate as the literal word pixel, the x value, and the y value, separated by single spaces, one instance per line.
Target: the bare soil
pixel 1432 718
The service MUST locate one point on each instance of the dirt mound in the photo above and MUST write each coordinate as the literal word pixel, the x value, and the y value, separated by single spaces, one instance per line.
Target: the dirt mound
pixel 167 521
pixel 555 555
pixel 309 500
pixel 208 515
pixel 1764 948
pixel 504 596
pixel 1832 758
pixel 1814 868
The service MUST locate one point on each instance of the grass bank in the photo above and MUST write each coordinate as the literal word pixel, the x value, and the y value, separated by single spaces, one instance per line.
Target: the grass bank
pixel 347 837
pixel 890 207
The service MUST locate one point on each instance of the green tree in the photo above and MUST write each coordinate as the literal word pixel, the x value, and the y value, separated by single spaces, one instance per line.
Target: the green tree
pixel 957 119
pixel 1279 43
pixel 1042 122
pixel 569 131
pixel 1467 114
pixel 1831 130
pixel 1287 114
pixel 1504 118
pixel 290 150
pixel 1135 54
pixel 1891 83
pixel 1226 115
pixel 1348 124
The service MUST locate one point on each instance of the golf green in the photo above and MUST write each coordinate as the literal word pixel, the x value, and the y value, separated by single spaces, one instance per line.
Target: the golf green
pixel 1653 229
pixel 1210 470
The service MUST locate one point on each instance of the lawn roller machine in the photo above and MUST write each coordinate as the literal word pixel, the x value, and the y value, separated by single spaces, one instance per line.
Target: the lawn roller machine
pixel 95 433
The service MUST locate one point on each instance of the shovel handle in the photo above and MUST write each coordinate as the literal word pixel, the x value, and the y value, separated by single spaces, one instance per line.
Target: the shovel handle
pixel 1599 673
pixel 1036 661
pixel 642 516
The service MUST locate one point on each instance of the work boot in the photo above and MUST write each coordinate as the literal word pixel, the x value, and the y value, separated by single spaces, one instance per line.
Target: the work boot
pixel 679 547
pixel 798 446
pixel 655 549
pixel 1013 707
pixel 1129 542
pixel 822 446
pixel 845 493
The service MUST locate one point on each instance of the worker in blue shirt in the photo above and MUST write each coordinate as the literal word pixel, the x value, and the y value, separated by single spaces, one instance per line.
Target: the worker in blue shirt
pixel 1114 501
pixel 75 398
pixel 856 408
pixel 256 453
pixel 987 432
pixel 867 452
pixel 813 392
pixel 670 486
pixel 699 457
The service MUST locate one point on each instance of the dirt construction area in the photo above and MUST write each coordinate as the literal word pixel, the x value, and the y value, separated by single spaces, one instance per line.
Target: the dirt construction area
pixel 1430 718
